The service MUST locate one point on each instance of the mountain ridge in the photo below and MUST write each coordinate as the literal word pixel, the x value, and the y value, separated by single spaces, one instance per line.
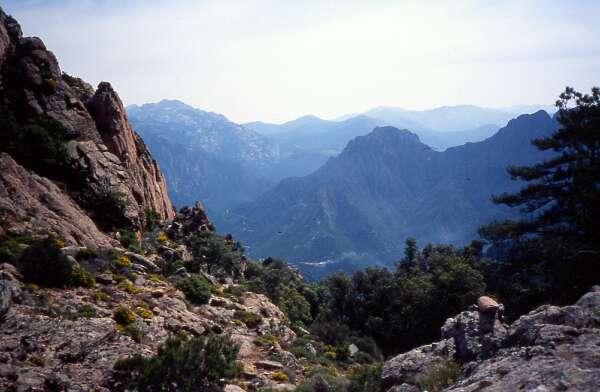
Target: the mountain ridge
pixel 383 183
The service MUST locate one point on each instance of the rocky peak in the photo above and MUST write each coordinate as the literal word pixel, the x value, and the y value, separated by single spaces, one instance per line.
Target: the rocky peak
pixel 109 114
pixel 99 139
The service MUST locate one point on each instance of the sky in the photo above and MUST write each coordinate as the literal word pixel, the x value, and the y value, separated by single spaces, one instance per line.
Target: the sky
pixel 276 60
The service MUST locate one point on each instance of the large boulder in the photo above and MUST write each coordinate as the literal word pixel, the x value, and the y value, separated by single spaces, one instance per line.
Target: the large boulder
pixel 403 371
pixel 476 334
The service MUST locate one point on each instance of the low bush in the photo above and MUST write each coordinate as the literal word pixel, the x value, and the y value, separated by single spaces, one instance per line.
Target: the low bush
pixel 86 254
pixel 280 376
pixel 87 311
pixel 129 240
pixel 144 313
pixel 252 320
pixel 181 364
pixel 152 219
pixel 80 277
pixel 440 377
pixel 107 205
pixel 266 340
pixel 365 378
pixel 123 316
pixel 133 332
pixel 44 263
pixel 196 289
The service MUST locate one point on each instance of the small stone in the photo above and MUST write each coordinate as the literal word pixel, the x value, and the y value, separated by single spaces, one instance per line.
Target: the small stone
pixel 218 302
pixel 268 365
pixel 232 388
pixel 105 279
pixel 8 372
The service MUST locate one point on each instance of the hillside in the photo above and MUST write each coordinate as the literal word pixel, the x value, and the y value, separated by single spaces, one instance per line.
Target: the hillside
pixel 383 188
pixel 100 278
pixel 203 155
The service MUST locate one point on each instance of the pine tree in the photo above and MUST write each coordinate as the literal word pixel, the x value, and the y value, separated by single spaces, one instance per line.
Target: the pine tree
pixel 562 198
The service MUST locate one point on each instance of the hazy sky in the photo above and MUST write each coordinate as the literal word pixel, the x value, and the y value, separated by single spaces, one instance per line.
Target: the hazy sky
pixel 277 60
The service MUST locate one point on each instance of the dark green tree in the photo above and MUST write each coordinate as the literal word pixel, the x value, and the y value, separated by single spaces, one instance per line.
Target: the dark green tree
pixel 410 251
pixel 562 197
pixel 561 201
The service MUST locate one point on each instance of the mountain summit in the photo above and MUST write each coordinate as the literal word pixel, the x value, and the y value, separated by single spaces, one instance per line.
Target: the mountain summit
pixel 384 187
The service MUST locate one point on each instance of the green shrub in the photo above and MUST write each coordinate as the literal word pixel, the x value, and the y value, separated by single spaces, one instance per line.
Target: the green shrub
pixel 133 332
pixel 266 340
pixel 107 205
pixel 252 320
pixel 365 379
pixel 181 364
pixel 86 311
pixel 43 263
pixel 323 381
pixel 86 254
pixel 37 143
pixel 215 254
pixel 440 377
pixel 129 240
pixel 280 376
pixel 123 316
pixel 12 247
pixel 235 290
pixel 152 219
pixel 196 289
pixel 171 267
pixel 80 277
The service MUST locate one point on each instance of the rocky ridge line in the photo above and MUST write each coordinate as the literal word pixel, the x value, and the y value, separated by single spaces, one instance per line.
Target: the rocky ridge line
pixel 101 142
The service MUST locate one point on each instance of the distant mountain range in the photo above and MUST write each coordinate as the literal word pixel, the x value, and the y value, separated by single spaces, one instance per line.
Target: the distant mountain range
pixel 384 187
pixel 355 206
pixel 209 158
pixel 204 156
pixel 440 128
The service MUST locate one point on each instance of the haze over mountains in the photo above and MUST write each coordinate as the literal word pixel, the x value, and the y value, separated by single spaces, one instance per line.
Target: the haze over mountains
pixel 315 191
pixel 384 187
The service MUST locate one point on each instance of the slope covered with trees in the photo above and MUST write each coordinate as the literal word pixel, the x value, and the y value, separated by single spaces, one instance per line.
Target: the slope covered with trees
pixel 383 188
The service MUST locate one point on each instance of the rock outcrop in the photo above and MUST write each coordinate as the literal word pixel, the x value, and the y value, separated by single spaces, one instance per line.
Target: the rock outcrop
pixel 69 339
pixel 30 204
pixel 550 349
pixel 100 141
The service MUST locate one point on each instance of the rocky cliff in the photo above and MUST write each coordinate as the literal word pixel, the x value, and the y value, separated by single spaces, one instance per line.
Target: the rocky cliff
pixel 550 349
pixel 95 134
pixel 78 294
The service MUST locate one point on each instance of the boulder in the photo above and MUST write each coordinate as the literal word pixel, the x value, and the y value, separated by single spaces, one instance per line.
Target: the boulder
pixel 551 348
pixel 143 261
pixel 487 305
pixel 476 334
pixel 268 365
pixel 405 369
pixel 232 388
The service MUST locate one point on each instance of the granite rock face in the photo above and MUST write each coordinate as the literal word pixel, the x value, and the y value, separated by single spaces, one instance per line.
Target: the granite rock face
pixel 550 349
pixel 30 204
pixel 101 143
